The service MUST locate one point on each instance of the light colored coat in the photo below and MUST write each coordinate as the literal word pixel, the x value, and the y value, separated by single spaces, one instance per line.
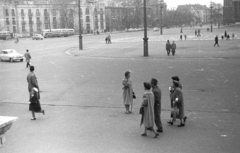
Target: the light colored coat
pixel 32 82
pixel 127 91
pixel 177 93
pixel 148 104
pixel 27 56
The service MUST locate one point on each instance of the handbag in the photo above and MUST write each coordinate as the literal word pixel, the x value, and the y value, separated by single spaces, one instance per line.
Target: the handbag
pixel 134 96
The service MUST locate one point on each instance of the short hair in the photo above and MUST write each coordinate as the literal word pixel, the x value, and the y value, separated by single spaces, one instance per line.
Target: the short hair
pixel 154 81
pixel 127 73
pixel 31 68
pixel 27 50
pixel 147 85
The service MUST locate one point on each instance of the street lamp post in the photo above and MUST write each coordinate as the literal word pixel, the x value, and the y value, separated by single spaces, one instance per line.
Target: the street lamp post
pixel 80 28
pixel 161 16
pixel 211 16
pixel 145 39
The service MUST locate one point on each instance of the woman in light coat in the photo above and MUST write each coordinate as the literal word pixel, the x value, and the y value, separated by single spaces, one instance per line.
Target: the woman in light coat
pixel 127 92
pixel 148 110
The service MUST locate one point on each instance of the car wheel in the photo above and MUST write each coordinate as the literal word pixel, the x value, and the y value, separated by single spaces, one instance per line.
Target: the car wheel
pixel 11 60
pixel 21 60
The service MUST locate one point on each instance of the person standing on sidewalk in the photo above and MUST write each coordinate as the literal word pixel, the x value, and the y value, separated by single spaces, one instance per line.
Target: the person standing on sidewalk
pixel 157 104
pixel 28 57
pixel 35 106
pixel 174 47
pixel 109 39
pixel 216 41
pixel 127 92
pixel 168 47
pixel 32 82
pixel 148 110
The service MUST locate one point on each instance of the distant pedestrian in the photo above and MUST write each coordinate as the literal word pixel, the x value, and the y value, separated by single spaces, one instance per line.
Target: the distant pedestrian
pixel 27 57
pixel 127 92
pixel 106 39
pixel 177 103
pixel 174 47
pixel 32 82
pixel 225 34
pixel 148 110
pixel 233 35
pixel 109 39
pixel 16 39
pixel 222 37
pixel 228 37
pixel 181 37
pixel 35 106
pixel 157 104
pixel 181 31
pixel 199 32
pixel 195 32
pixel 168 47
pixel 216 41
pixel 185 36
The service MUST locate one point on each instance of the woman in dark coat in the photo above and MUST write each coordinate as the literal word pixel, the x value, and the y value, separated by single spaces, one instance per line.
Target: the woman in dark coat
pixel 177 102
pixel 35 106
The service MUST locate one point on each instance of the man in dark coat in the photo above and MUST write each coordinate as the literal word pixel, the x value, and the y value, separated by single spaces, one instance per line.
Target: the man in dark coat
pixel 157 104
pixel 168 47
pixel 32 82
pixel 216 41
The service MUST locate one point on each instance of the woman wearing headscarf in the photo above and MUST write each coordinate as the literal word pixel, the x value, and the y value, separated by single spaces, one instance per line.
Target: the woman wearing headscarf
pixel 148 110
pixel 127 92
pixel 177 102
pixel 35 106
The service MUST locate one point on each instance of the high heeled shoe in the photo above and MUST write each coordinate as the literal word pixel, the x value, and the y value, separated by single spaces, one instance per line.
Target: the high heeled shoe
pixel 180 125
pixel 184 119
pixel 170 122
pixel 144 134
pixel 156 135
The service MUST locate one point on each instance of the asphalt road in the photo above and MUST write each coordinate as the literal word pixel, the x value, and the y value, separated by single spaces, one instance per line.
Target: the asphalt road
pixel 81 92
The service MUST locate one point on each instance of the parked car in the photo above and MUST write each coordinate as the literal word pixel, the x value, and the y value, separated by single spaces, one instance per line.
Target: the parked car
pixel 10 55
pixel 37 37
pixel 155 29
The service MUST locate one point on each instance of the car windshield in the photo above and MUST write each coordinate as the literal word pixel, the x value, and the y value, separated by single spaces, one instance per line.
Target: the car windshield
pixel 12 52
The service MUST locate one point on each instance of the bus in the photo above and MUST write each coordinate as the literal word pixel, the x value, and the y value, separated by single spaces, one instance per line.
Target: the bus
pixel 6 35
pixel 57 32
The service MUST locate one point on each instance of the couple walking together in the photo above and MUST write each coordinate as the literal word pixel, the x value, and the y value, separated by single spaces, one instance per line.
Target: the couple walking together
pixel 171 47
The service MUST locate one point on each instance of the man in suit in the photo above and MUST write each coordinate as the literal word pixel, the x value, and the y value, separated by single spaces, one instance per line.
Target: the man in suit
pixel 28 57
pixel 157 104
pixel 32 82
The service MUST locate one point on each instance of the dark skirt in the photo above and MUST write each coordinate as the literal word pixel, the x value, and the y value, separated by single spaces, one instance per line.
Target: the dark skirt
pixel 35 105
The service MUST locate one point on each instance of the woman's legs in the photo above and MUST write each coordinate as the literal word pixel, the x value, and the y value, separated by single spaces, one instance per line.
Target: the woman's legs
pixel 127 108
pixel 33 115
pixel 145 131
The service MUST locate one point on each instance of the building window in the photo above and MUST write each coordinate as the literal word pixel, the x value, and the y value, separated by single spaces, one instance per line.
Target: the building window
pixel 54 12
pixel 96 21
pixel 30 20
pixel 13 21
pixel 37 12
pixel 13 12
pixel 22 12
pixel 45 12
pixel 46 19
pixel 87 19
pixel 7 21
pixel 54 26
pixel 14 29
pixel 88 28
pixel 46 26
pixel 23 28
pixel 39 28
pixel 101 11
pixel 87 11
pixel 7 12
pixel 29 12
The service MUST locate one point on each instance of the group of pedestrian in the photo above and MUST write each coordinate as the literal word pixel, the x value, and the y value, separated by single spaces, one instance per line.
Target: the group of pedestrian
pixel 108 39
pixel 171 47
pixel 151 103
pixel 198 32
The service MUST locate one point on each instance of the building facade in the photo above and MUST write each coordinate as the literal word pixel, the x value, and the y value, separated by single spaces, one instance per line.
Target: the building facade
pixel 28 17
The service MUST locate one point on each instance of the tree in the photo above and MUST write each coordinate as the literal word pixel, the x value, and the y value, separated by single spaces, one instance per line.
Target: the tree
pixel 67 9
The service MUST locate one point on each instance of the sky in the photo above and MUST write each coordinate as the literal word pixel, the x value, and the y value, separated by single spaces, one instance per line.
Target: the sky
pixel 175 3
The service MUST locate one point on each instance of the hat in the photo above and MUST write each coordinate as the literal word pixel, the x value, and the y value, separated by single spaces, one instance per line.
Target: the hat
pixel 35 89
pixel 154 81
pixel 176 78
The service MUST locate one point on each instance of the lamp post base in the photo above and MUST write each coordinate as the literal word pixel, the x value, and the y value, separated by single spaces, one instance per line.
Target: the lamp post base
pixel 145 46
pixel 80 43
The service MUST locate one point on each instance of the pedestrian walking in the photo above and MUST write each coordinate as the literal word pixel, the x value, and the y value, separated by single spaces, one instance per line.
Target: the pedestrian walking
pixel 233 35
pixel 199 32
pixel 181 37
pixel 216 41
pixel 148 110
pixel 16 39
pixel 35 106
pixel 177 103
pixel 195 32
pixel 32 82
pixel 174 47
pixel 106 39
pixel 127 92
pixel 27 57
pixel 228 37
pixel 222 37
pixel 157 104
pixel 109 39
pixel 185 36
pixel 181 31
pixel 168 47
pixel 225 34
